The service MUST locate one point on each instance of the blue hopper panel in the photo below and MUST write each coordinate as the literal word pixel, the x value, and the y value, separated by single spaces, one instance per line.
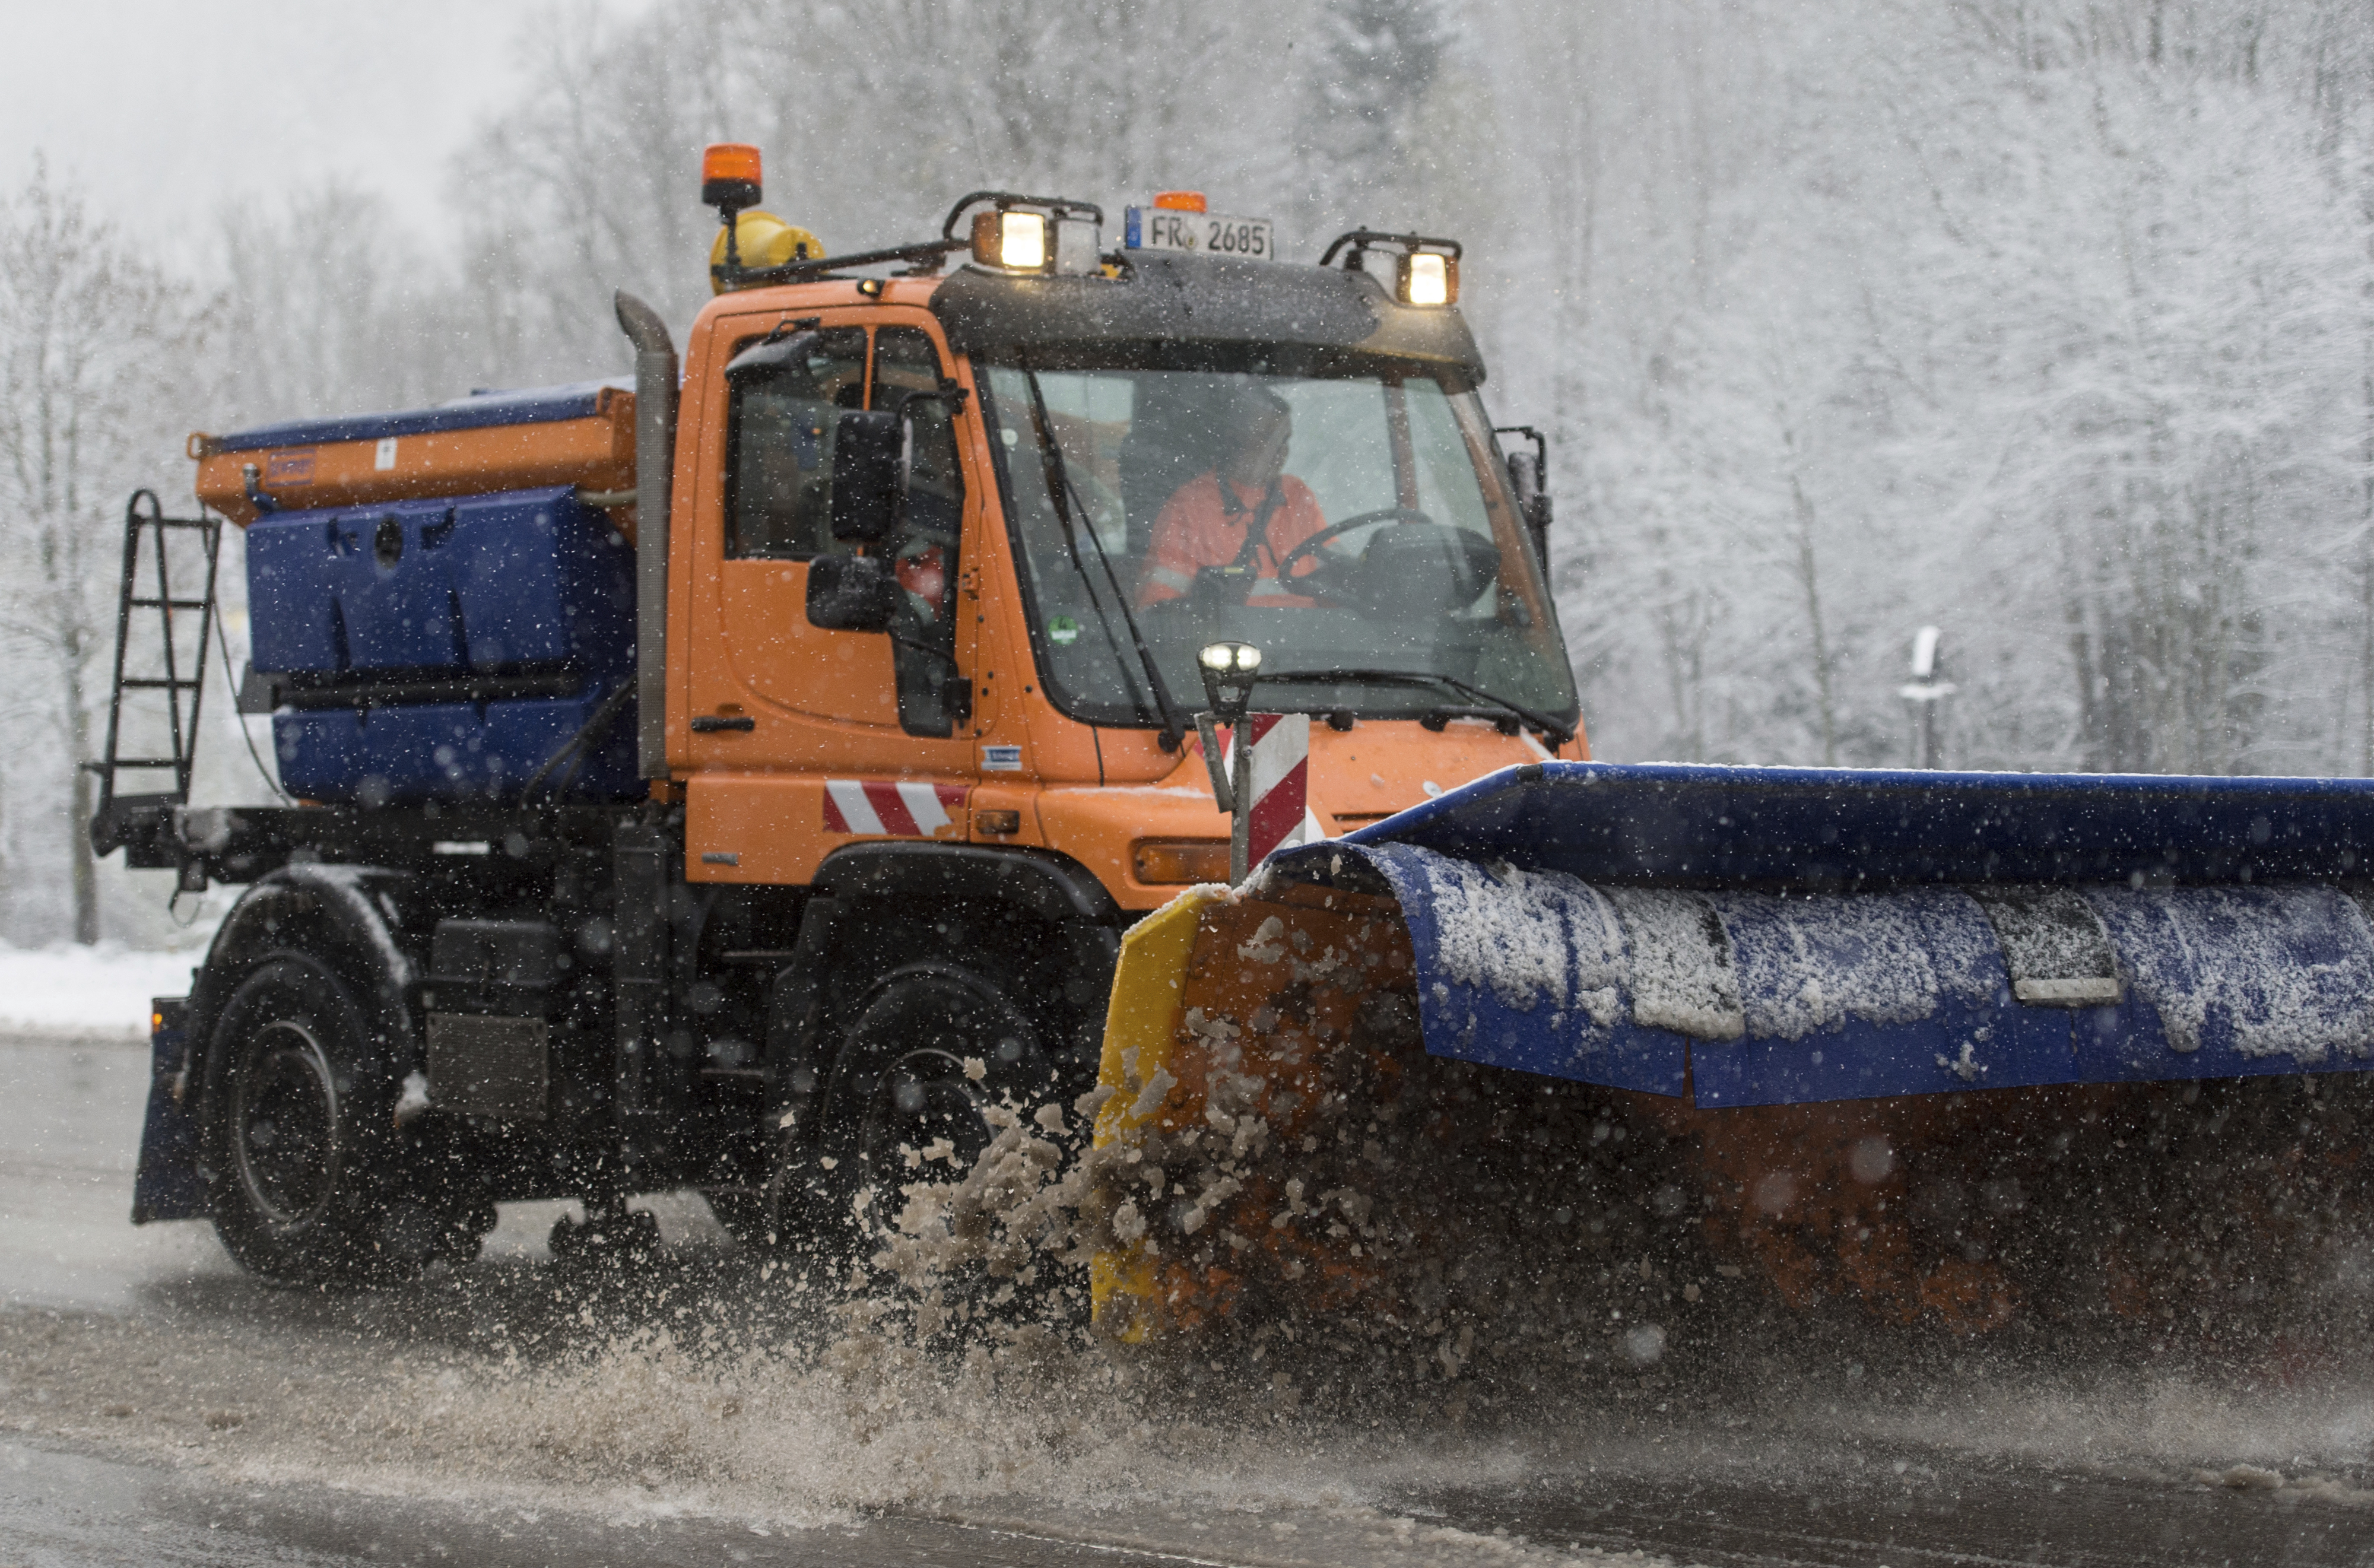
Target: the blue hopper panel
pixel 529 578
pixel 406 755
pixel 447 649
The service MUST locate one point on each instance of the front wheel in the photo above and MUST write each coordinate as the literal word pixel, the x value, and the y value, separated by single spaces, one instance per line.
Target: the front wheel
pixel 934 1047
pixel 296 1128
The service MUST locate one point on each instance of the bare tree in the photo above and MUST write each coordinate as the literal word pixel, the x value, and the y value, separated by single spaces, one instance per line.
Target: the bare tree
pixel 93 349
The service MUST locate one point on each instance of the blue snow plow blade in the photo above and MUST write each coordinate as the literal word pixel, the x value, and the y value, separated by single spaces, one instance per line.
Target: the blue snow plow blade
pixel 1770 935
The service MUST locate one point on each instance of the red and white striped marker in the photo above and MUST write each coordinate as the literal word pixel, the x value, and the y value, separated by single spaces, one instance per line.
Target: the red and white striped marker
pixel 1272 787
pixel 890 808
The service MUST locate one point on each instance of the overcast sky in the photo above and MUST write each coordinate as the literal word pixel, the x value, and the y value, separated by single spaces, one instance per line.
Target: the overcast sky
pixel 161 110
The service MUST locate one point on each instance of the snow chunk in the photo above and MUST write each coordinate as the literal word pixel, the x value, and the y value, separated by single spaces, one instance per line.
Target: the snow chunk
pixel 1262 947
pixel 414 1100
pixel 1150 1100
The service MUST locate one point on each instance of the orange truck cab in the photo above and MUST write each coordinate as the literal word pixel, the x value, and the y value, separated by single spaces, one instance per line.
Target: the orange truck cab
pixel 892 734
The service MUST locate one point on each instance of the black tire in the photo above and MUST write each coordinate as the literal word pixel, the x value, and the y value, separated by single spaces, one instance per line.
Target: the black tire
pixel 901 1083
pixel 297 1136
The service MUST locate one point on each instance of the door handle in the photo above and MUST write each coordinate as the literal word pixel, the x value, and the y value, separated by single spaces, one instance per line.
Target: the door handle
pixel 710 724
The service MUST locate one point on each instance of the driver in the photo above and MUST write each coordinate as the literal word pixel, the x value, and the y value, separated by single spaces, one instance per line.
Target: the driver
pixel 1231 525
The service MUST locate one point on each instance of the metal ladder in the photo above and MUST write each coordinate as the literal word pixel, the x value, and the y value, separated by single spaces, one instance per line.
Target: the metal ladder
pixel 143 819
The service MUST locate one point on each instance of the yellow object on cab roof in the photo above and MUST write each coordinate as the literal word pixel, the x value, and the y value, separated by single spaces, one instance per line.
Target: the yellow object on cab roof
pixel 763 241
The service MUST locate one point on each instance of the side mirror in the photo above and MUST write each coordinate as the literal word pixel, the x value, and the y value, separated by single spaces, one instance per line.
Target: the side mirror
pixel 851 593
pixel 869 480
pixel 1525 482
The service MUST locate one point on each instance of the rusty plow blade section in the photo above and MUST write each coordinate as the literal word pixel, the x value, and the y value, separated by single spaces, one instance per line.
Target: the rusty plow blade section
pixel 1952 1047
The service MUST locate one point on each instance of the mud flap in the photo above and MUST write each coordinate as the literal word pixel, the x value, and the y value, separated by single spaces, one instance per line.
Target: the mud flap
pixel 167 1185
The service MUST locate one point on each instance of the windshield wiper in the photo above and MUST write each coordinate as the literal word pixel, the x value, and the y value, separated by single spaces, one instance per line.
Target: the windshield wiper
pixel 1060 491
pixel 1557 734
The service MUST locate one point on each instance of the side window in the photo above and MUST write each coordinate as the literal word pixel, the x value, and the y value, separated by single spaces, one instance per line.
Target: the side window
pixel 931 692
pixel 905 361
pixel 779 451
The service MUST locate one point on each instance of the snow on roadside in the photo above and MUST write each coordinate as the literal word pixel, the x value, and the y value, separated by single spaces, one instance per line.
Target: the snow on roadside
pixel 100 992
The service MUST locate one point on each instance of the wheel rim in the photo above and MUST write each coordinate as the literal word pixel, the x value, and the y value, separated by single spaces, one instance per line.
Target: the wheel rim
pixel 923 1097
pixel 284 1125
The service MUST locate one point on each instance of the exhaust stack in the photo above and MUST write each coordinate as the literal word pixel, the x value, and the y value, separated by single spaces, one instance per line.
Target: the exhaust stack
pixel 655 395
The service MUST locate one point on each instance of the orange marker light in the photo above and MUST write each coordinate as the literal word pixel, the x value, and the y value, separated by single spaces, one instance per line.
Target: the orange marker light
pixel 729 175
pixel 1180 201
pixel 1175 863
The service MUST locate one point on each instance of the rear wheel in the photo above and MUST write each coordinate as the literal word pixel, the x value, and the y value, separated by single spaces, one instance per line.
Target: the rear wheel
pixel 296 1124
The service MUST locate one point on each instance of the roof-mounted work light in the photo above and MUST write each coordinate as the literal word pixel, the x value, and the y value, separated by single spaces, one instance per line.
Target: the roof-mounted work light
pixel 1031 234
pixel 1425 272
pixel 1429 278
pixel 1011 242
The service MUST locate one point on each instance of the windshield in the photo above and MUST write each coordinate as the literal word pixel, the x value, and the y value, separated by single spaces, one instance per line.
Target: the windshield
pixel 1350 521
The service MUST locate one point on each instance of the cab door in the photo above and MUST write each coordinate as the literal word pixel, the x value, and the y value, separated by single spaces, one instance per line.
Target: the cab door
pixel 771 498
pixel 787 722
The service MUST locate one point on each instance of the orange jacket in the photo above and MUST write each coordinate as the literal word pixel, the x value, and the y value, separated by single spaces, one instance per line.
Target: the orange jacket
pixel 1197 529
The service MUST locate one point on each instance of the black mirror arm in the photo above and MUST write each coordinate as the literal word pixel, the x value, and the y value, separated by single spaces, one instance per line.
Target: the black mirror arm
pixel 926 650
pixel 956 694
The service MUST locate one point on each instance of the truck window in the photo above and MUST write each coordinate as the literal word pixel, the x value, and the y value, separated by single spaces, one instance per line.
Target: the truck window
pixel 779 451
pixel 1364 528
pixel 925 551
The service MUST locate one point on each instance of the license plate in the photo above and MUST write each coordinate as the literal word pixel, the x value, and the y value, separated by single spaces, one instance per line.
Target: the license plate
pixel 1208 233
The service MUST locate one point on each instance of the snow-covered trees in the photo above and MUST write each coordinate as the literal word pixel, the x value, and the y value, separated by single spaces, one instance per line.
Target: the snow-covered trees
pixel 1376 62
pixel 2055 317
pixel 2047 321
pixel 96 344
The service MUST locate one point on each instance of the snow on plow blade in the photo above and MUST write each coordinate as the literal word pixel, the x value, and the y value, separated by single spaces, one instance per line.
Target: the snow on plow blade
pixel 1755 936
pixel 1796 974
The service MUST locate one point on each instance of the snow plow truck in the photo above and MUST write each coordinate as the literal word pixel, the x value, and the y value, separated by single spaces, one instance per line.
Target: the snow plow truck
pixel 1004 670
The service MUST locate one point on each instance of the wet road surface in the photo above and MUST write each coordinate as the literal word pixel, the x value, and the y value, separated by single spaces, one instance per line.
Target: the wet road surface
pixel 156 1407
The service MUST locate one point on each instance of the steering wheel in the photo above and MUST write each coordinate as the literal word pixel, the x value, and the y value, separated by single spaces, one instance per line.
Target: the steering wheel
pixel 1479 556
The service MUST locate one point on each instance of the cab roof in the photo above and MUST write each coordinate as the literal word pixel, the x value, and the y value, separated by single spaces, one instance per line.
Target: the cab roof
pixel 1224 301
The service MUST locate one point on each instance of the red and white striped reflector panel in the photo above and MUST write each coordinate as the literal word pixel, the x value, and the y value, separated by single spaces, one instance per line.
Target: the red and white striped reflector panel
pixel 1279 800
pixel 890 808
